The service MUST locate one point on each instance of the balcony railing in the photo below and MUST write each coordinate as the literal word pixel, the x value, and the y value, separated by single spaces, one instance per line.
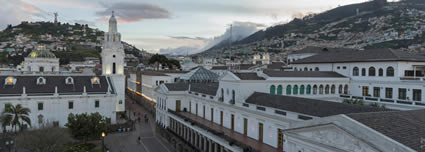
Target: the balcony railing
pixel 385 100
pixel 221 99
pixel 410 78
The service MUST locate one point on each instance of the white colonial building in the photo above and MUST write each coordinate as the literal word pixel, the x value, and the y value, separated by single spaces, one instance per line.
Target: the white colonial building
pixel 40 60
pixel 52 96
pixel 301 110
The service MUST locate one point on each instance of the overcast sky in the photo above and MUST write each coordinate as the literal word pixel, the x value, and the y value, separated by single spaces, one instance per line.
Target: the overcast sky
pixel 161 24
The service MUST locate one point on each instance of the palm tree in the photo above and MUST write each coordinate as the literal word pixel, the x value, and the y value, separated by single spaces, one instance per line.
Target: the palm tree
pixel 15 116
pixel 5 121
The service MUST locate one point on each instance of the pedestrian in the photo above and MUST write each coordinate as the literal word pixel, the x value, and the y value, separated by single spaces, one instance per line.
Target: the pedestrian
pixel 139 140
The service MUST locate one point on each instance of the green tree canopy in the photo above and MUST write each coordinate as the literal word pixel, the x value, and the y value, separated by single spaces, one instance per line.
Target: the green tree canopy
pixel 46 139
pixel 85 126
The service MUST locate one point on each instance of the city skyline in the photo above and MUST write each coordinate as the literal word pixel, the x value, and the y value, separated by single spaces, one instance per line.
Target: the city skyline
pixel 154 25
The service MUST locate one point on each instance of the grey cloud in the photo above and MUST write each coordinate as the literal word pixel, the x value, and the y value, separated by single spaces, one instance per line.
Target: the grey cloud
pixel 187 38
pixel 240 30
pixel 133 11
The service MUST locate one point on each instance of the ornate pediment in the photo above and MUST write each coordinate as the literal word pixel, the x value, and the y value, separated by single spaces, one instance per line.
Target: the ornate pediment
pixel 332 136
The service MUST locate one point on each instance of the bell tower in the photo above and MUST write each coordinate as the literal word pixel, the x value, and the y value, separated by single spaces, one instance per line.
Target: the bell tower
pixel 113 62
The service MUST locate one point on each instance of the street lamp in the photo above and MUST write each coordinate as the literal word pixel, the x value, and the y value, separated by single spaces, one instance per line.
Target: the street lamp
pixel 9 143
pixel 103 141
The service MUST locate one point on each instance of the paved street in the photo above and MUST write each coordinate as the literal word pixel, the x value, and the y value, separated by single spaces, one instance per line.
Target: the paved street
pixel 127 142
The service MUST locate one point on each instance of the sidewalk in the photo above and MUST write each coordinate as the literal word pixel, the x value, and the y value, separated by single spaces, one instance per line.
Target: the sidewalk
pixel 127 141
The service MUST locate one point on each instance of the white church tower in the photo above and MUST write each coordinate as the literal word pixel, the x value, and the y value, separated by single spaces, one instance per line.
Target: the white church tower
pixel 113 61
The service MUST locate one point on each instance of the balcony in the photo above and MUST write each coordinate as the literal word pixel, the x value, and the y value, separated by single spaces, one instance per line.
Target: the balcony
pixel 410 78
pixel 232 101
pixel 233 137
pixel 221 99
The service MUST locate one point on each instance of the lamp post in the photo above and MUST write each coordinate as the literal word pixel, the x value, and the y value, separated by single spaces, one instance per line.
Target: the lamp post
pixel 9 143
pixel 103 141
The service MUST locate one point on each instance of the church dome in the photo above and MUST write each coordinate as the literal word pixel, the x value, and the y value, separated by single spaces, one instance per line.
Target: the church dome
pixel 41 53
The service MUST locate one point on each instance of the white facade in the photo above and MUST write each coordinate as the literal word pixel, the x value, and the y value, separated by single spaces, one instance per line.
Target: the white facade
pixel 263 58
pixel 41 65
pixel 56 108
pixel 113 61
pixel 380 81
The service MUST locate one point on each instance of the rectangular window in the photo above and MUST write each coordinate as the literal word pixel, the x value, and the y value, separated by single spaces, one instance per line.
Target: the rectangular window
pixel 389 93
pixel 261 108
pixel 70 105
pixel 417 94
pixel 40 106
pixel 338 67
pixel 280 112
pixel 402 93
pixel 376 92
pixel 344 67
pixel 365 91
pixel 304 117
pixel 96 104
pixel 245 105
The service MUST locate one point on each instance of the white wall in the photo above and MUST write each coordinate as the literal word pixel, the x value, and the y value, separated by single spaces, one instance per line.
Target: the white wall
pixel 55 108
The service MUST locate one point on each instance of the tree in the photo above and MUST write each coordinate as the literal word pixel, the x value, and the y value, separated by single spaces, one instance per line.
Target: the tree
pixel 16 116
pixel 161 59
pixel 45 139
pixel 84 126
pixel 158 59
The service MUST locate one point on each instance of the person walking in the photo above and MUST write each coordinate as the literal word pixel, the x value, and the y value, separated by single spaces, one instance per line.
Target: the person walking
pixel 139 140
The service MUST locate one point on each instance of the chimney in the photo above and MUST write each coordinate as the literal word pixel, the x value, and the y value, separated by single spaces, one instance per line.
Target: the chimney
pixel 56 91
pixel 84 91
pixel 24 92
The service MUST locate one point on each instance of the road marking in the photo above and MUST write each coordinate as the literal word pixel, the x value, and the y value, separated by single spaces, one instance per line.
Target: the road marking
pixel 144 146
pixel 162 144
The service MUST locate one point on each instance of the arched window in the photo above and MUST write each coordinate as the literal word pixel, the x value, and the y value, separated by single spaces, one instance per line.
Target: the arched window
pixel 295 89
pixel 327 89
pixel 288 90
pixel 321 89
pixel 279 90
pixel 308 90
pixel 69 80
pixel 390 72
pixel 355 71
pixel 381 72
pixel 363 72
pixel 302 89
pixel 114 68
pixel 222 94
pixel 316 69
pixel 272 89
pixel 315 89
pixel 233 96
pixel 346 89
pixel 372 71
pixel 340 89
pixel 41 81
pixel 333 89
pixel 305 69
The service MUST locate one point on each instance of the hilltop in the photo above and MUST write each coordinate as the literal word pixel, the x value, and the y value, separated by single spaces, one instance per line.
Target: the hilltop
pixel 372 24
pixel 69 42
